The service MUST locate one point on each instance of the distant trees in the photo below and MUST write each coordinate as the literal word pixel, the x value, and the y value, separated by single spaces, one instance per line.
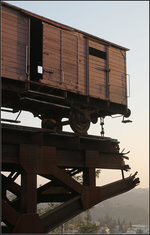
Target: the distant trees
pixel 86 225
pixel 109 222
pixel 83 223
pixel 115 225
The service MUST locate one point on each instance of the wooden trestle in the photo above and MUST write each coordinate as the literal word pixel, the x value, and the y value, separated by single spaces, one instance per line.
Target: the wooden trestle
pixel 29 152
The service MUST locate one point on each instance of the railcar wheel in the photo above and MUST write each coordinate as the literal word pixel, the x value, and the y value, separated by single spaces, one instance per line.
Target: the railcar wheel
pixel 52 124
pixel 79 122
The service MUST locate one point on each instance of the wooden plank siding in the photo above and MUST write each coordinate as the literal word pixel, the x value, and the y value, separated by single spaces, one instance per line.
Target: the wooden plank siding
pixel 67 58
pixel 96 45
pixel 15 38
pixel 65 66
pixel 63 59
pixel 97 75
pixel 81 65
pixel 69 61
pixel 51 55
pixel 117 76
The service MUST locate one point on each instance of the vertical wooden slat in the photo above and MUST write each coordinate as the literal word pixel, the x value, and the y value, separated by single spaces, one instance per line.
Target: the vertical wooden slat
pixel 125 69
pixel 97 73
pixel 51 55
pixel 107 71
pixel 77 83
pixel 81 65
pixel 69 61
pixel 87 66
pixel 61 45
pixel 29 31
pixel 117 79
pixel 15 32
pixel 27 85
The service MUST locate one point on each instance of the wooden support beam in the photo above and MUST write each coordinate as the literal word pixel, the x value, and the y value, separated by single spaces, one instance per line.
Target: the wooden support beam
pixel 89 177
pixel 61 214
pixel 9 214
pixel 28 192
pixel 57 157
pixel 93 195
pixel 62 157
pixel 10 185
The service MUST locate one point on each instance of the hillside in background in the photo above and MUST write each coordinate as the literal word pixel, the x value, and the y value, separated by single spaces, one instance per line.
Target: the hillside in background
pixel 132 206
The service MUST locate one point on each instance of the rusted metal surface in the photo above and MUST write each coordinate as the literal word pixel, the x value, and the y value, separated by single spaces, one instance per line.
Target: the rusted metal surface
pixel 29 152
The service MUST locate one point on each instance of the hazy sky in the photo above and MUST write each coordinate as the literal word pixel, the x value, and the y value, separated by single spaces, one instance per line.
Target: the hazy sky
pixel 125 23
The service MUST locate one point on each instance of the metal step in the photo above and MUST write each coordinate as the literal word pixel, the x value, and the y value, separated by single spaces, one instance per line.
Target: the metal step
pixel 37 101
pixel 44 95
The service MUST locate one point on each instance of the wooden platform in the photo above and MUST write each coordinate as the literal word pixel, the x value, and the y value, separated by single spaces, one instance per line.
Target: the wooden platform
pixel 58 157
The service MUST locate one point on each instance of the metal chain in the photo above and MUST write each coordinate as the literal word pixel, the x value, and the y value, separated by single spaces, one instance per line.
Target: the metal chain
pixel 102 126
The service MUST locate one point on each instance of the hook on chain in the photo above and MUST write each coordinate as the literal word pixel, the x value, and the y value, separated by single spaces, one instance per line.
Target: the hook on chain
pixel 102 125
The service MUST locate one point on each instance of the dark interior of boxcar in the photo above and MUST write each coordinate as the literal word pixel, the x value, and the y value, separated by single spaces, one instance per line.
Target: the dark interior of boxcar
pixel 36 38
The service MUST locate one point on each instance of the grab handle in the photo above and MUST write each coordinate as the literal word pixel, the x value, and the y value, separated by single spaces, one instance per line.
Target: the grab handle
pixel 27 60
pixel 128 90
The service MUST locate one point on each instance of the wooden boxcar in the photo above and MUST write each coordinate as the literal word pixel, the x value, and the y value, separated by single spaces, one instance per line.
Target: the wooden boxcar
pixel 55 71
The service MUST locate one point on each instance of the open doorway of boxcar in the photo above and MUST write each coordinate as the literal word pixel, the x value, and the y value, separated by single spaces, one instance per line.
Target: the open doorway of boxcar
pixel 36 38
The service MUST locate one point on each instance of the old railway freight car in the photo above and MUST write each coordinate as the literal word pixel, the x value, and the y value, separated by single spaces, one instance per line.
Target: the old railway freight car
pixel 55 71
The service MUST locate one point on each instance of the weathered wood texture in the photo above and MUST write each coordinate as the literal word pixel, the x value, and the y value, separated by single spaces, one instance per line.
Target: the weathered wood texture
pixel 63 59
pixel 67 61
pixel 14 32
pixel 117 76
pixel 51 55
pixel 68 66
pixel 97 75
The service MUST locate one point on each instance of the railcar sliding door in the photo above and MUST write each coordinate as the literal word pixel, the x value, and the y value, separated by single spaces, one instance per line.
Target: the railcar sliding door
pixel 14 44
pixel 51 55
pixel 97 70
pixel 60 58
pixel 69 45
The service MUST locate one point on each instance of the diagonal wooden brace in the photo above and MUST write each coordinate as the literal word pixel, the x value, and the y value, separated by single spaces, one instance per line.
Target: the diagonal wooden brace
pixel 93 195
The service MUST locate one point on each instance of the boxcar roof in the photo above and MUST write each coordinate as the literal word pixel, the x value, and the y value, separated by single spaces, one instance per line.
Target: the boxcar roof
pixel 65 27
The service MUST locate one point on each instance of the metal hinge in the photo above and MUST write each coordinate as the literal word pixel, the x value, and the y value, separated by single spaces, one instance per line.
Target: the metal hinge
pixel 103 69
pixel 128 92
